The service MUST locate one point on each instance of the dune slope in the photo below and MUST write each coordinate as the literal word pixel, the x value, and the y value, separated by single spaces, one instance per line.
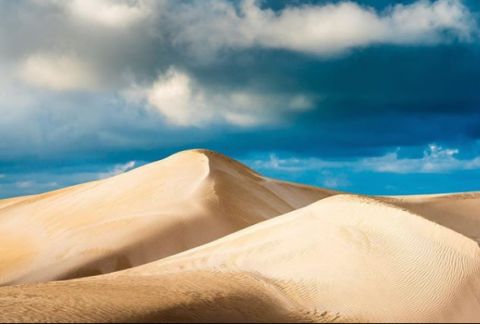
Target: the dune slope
pixel 345 258
pixel 460 212
pixel 154 211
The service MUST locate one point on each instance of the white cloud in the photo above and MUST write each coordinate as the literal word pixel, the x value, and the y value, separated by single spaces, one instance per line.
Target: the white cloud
pixel 184 102
pixel 423 21
pixel 24 184
pixel 57 72
pixel 109 13
pixel 435 159
pixel 321 29
pixel 295 164
pixel 177 100
pixel 63 54
pixel 118 169
pixel 334 181
pixel 28 184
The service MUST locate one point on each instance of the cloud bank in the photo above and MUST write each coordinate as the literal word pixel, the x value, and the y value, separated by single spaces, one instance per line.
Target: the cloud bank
pixel 119 47
pixel 435 159
pixel 321 29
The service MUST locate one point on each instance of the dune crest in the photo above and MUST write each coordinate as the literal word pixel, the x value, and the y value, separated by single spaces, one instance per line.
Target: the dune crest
pixel 154 211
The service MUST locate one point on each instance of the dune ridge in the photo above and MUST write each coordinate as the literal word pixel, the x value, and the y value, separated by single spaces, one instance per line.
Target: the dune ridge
pixel 157 210
pixel 242 248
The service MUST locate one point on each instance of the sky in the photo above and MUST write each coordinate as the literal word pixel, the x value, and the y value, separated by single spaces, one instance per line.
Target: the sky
pixel 372 96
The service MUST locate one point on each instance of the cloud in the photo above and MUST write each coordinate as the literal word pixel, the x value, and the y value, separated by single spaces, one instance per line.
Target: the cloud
pixel 245 98
pixel 66 45
pixel 118 169
pixel 182 101
pixel 294 164
pixel 175 97
pixel 82 44
pixel 24 184
pixel 324 29
pixel 331 180
pixel 57 72
pixel 435 160
pixel 29 184
pixel 108 13
pixel 428 22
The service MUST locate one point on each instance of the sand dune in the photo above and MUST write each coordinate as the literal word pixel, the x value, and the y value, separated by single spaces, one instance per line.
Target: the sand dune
pixel 227 245
pixel 9 202
pixel 460 212
pixel 345 258
pixel 160 209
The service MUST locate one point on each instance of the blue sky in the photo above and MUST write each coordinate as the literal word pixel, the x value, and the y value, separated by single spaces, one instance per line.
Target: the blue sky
pixel 378 97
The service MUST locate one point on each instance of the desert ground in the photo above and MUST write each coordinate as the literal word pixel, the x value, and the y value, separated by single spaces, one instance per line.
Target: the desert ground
pixel 199 237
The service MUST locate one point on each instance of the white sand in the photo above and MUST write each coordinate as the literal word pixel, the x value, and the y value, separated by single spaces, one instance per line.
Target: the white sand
pixel 460 212
pixel 344 257
pixel 188 199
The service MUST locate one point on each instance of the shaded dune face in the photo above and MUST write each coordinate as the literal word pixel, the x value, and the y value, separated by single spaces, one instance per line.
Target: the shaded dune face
pixel 343 258
pixel 163 208
pixel 200 296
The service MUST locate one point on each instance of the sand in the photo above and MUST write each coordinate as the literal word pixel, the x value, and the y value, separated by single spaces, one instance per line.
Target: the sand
pixel 460 212
pixel 326 256
pixel 154 211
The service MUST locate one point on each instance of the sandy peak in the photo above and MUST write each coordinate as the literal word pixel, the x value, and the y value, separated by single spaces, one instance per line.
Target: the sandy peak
pixel 216 161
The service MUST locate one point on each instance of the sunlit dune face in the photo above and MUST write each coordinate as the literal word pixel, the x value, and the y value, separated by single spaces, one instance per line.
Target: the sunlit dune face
pixel 17 251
